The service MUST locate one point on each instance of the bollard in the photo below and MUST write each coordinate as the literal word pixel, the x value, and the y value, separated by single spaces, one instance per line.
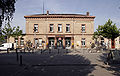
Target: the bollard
pixel 58 51
pixel 21 60
pixel 7 50
pixel 49 51
pixel 17 56
pixel 24 50
pixel 41 51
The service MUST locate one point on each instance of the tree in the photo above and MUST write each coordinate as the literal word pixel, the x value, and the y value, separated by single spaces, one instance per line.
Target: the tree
pixel 2 39
pixel 7 8
pixel 8 31
pixel 108 30
pixel 17 32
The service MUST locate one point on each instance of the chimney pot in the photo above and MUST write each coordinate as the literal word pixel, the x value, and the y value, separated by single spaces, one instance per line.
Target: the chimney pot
pixel 47 12
pixel 87 13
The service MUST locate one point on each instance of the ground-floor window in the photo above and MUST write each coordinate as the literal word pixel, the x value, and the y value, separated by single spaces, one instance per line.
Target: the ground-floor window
pixel 83 41
pixel 22 41
pixel 102 41
pixel 16 41
pixel 40 42
pixel 36 42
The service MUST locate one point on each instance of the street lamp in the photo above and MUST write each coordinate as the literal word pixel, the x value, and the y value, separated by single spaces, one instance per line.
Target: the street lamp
pixel 35 36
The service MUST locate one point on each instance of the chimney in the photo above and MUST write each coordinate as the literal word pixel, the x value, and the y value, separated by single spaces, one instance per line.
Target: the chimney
pixel 87 13
pixel 47 12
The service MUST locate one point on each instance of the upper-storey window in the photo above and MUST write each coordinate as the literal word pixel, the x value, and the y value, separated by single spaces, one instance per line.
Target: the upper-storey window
pixel 83 27
pixel 59 27
pixel 51 27
pixel 35 28
pixel 67 27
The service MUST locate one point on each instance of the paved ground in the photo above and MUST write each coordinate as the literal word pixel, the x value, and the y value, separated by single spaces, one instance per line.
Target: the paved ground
pixel 56 63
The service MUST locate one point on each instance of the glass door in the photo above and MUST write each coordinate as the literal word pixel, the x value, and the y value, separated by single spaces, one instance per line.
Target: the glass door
pixel 51 43
pixel 68 43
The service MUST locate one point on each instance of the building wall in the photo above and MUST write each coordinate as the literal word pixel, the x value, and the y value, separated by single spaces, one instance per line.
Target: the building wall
pixel 75 29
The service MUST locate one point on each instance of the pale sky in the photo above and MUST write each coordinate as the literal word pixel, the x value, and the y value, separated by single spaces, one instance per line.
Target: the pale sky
pixel 102 9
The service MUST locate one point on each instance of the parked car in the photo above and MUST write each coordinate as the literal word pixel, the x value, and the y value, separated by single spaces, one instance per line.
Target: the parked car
pixel 7 46
pixel 113 56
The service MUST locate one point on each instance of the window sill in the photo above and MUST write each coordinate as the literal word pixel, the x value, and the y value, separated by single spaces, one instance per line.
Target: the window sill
pixel 83 32
pixel 35 32
pixel 68 32
pixel 51 32
pixel 59 32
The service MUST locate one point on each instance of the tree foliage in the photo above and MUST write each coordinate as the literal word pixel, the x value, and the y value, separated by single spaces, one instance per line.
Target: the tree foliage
pixel 7 8
pixel 17 32
pixel 8 31
pixel 108 30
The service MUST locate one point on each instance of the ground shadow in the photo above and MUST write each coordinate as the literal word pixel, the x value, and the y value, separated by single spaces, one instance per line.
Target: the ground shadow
pixel 56 63
pixel 53 63
pixel 114 68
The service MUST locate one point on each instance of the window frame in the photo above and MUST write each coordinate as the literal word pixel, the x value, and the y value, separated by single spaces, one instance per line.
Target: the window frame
pixel 68 26
pixel 60 27
pixel 16 41
pixel 40 41
pixel 83 40
pixel 34 28
pixel 83 30
pixel 52 28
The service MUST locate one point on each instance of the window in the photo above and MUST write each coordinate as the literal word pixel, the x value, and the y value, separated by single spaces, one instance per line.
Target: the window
pixel 67 27
pixel 51 27
pixel 35 28
pixel 59 27
pixel 40 42
pixel 36 41
pixel 22 41
pixel 102 41
pixel 83 41
pixel 16 41
pixel 83 27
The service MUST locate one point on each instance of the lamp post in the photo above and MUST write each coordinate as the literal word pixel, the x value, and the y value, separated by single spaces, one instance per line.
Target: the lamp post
pixel 34 37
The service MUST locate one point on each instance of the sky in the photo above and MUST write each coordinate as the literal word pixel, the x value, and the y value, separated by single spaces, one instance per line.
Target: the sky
pixel 102 9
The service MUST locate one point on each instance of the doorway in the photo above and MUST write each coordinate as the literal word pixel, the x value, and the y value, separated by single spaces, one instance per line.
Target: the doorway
pixel 59 43
pixel 68 43
pixel 51 43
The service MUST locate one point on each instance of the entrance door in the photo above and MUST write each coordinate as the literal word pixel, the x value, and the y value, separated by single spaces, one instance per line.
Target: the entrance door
pixel 68 43
pixel 51 43
pixel 59 43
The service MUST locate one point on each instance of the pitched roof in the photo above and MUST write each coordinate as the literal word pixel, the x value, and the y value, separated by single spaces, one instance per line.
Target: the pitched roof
pixel 59 16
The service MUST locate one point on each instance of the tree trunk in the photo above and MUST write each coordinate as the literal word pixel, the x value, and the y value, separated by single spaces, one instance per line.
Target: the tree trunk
pixel 113 43
pixel 108 43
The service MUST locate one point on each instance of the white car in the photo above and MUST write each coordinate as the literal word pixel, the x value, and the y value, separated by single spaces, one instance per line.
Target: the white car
pixel 6 46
